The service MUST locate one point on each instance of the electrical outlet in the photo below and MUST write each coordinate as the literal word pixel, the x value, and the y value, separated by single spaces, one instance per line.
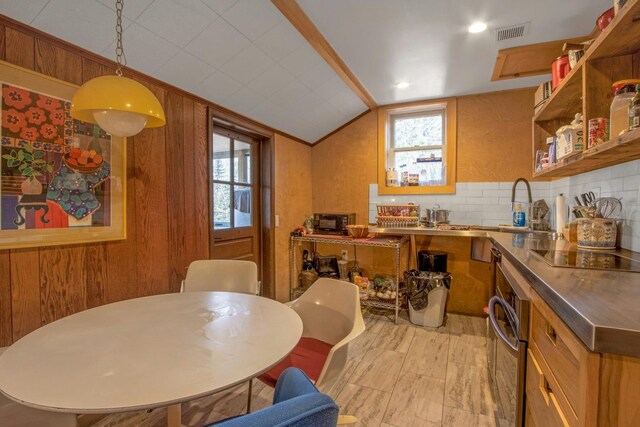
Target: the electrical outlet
pixel 344 254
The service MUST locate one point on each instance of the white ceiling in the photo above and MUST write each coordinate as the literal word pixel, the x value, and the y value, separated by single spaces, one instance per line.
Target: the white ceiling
pixel 426 42
pixel 245 56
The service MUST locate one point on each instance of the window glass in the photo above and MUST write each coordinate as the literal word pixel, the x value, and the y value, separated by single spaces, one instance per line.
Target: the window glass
pixel 427 164
pixel 242 209
pixel 242 166
pixel 417 131
pixel 221 158
pixel 221 206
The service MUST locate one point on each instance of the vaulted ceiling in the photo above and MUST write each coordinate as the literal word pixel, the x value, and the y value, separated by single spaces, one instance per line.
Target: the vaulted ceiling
pixel 247 57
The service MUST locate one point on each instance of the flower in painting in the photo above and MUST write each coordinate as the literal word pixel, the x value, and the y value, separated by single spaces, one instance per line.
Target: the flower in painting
pixel 48 103
pixel 15 97
pixel 13 120
pixel 29 133
pixel 48 131
pixel 59 140
pixel 57 117
pixel 35 115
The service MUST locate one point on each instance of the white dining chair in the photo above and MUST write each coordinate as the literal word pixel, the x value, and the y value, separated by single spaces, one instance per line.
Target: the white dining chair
pixel 331 319
pixel 226 275
pixel 13 414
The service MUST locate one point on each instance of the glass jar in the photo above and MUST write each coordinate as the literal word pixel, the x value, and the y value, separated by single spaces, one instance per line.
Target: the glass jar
pixel 619 111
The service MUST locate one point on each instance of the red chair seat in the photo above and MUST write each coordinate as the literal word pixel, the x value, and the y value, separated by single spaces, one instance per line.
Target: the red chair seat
pixel 309 355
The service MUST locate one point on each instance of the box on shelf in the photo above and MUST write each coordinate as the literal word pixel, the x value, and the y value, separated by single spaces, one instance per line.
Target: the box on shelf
pixel 542 94
pixel 398 215
pixel 570 139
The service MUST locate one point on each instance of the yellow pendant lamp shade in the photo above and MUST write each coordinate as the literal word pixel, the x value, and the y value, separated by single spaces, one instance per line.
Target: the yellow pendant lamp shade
pixel 119 105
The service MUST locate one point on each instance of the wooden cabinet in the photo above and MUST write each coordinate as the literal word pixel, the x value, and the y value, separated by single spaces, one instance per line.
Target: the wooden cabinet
pixel 567 385
pixel 543 408
pixel 570 370
pixel 587 89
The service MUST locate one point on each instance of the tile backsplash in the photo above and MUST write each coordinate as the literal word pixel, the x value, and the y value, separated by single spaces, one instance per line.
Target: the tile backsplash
pixel 489 203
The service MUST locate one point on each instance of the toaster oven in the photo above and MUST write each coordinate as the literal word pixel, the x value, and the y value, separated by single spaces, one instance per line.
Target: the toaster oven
pixel 332 223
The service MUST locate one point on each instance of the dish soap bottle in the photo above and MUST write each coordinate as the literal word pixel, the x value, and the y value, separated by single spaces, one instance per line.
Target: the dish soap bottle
pixel 519 217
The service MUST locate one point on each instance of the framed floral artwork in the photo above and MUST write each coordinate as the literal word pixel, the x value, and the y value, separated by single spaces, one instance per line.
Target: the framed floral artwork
pixel 62 181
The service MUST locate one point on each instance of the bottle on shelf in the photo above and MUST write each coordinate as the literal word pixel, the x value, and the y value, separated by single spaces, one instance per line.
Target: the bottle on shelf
pixel 634 110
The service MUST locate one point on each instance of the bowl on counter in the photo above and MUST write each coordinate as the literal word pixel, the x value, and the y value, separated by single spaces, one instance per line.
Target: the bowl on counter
pixel 358 231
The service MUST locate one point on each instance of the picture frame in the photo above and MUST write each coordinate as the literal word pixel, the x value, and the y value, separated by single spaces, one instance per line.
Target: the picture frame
pixel 62 181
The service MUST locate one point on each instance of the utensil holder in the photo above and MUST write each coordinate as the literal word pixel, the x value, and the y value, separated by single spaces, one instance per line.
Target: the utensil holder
pixel 597 233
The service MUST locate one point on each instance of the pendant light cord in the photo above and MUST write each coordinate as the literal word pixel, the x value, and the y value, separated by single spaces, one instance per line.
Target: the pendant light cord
pixel 121 59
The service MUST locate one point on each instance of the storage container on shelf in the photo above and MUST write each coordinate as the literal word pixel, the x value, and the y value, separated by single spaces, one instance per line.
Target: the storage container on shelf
pixel 398 215
pixel 619 111
pixel 570 138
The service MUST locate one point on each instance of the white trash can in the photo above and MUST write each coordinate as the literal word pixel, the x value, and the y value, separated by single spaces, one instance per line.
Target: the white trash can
pixel 427 296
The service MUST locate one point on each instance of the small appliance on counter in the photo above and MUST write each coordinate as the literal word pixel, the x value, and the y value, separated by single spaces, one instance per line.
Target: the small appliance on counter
pixel 435 216
pixel 333 223
pixel 539 221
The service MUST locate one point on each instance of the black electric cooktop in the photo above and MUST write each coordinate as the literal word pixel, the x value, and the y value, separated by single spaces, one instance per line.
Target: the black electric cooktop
pixel 588 259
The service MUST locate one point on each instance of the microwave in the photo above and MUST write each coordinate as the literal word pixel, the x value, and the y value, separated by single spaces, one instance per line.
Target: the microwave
pixel 332 223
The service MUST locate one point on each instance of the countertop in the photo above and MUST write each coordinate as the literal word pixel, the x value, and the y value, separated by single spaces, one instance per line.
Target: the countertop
pixel 601 307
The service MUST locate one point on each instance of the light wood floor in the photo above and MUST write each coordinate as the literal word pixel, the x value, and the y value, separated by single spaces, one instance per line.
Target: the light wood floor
pixel 397 375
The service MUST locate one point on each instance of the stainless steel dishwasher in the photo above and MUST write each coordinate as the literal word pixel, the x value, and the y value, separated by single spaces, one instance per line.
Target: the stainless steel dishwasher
pixel 507 344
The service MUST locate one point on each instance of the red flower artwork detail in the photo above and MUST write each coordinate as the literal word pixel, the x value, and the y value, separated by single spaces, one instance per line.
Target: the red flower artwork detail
pixel 29 133
pixel 48 131
pixel 13 120
pixel 48 103
pixel 35 116
pixel 59 140
pixel 57 117
pixel 16 97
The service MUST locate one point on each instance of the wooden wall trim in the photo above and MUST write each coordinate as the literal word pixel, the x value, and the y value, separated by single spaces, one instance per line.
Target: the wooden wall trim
pixel 294 13
pixel 129 72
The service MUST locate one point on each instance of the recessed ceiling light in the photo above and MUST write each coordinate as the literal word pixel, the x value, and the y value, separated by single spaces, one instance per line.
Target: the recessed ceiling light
pixel 477 27
pixel 402 85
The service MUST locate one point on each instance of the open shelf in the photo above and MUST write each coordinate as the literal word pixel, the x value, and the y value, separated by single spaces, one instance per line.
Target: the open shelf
pixel 619 150
pixel 614 55
pixel 619 38
pixel 566 100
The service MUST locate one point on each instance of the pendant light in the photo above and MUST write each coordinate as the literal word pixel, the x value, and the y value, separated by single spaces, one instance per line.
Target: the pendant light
pixel 119 105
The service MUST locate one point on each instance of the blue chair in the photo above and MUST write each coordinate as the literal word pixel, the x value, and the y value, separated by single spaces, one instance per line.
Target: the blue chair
pixel 296 403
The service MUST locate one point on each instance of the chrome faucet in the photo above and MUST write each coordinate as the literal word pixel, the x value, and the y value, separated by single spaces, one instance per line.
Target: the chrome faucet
pixel 513 196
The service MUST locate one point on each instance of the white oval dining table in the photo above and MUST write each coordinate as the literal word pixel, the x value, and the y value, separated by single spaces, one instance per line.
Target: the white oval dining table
pixel 148 352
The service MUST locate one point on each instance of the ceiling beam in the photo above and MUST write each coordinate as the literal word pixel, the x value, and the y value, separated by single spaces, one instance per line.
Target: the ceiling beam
pixel 294 13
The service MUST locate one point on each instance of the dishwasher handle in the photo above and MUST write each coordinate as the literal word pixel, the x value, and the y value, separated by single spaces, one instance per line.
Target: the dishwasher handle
pixel 494 322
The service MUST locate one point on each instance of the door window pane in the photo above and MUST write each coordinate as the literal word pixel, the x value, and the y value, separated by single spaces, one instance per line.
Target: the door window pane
pixel 241 162
pixel 242 209
pixel 417 131
pixel 221 206
pixel 221 158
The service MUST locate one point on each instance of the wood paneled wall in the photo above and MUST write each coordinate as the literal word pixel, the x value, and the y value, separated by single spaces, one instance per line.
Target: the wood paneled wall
pixel 167 208
pixel 292 203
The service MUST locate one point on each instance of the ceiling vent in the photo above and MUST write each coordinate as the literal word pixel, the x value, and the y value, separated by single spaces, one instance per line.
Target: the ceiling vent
pixel 512 32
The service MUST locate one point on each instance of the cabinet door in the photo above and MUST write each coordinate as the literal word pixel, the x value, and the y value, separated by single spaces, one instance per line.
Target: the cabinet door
pixel 542 402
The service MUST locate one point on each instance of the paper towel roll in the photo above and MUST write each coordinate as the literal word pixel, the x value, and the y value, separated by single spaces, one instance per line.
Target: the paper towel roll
pixel 561 212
